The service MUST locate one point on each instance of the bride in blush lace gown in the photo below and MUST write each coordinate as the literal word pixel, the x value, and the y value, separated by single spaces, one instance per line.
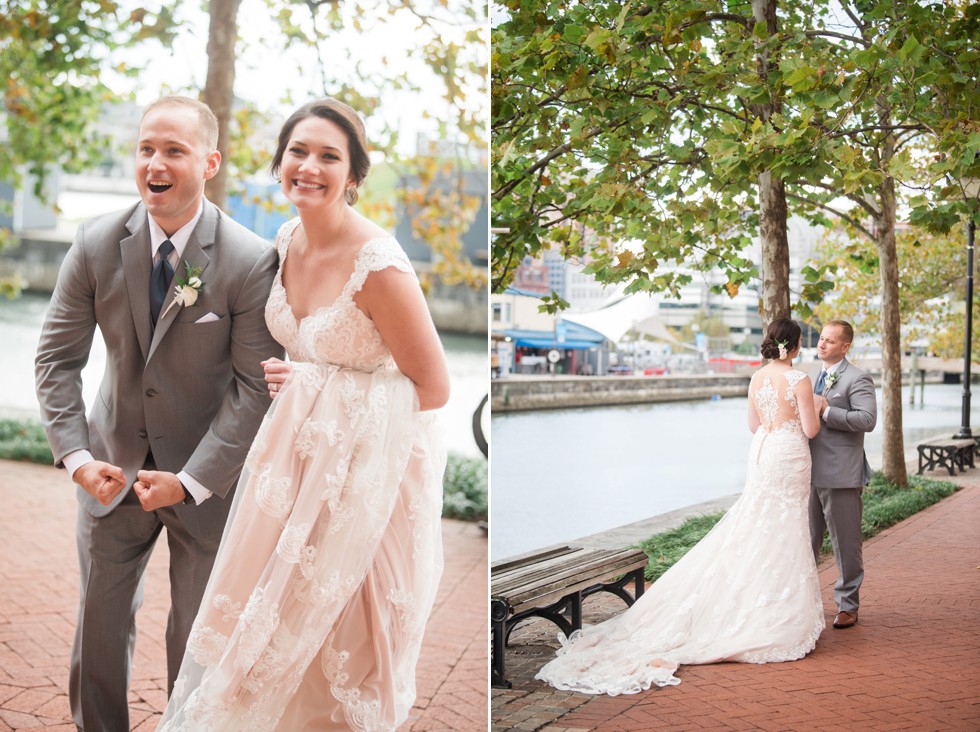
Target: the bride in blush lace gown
pixel 748 591
pixel 329 564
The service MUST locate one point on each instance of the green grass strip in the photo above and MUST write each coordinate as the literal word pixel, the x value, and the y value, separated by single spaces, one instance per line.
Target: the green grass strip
pixel 885 504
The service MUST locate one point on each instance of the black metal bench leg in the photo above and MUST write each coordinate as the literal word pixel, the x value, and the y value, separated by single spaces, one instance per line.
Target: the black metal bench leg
pixel 498 624
pixel 575 609
pixel 618 588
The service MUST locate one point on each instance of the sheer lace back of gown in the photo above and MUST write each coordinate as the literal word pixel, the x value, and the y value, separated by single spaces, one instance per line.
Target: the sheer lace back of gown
pixel 776 405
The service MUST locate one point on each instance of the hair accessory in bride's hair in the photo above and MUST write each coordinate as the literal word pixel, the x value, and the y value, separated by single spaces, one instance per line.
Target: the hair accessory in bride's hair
pixel 782 349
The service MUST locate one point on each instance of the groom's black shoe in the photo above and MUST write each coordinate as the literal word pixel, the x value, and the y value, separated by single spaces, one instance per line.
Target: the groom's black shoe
pixel 845 619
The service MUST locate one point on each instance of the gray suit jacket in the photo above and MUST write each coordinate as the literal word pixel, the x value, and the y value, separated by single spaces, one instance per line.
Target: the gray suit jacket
pixel 192 392
pixel 838 451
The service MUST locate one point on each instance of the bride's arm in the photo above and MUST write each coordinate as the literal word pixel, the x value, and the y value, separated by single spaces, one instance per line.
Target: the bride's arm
pixel 809 419
pixel 394 301
pixel 753 413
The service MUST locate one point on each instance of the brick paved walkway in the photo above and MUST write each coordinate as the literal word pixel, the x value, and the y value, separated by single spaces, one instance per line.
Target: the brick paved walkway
pixel 912 663
pixel 38 598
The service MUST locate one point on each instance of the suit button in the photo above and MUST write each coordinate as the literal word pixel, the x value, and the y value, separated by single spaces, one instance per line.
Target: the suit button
pixel 151 392
pixel 142 433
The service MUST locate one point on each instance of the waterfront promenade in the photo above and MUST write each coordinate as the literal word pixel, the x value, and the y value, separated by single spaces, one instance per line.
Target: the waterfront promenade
pixel 38 600
pixel 911 663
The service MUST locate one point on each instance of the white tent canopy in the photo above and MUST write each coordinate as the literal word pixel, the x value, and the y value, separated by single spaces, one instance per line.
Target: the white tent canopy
pixel 630 312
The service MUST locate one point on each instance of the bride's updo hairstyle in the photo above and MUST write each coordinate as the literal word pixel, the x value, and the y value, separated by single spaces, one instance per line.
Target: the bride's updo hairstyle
pixel 344 117
pixel 783 331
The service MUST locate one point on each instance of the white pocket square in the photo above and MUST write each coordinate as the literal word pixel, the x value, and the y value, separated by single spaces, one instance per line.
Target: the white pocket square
pixel 835 395
pixel 209 318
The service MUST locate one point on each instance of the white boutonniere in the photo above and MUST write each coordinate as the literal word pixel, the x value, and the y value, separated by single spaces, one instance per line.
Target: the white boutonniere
pixel 188 289
pixel 831 380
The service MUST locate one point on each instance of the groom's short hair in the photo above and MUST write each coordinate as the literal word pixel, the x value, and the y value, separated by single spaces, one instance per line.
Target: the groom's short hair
pixel 847 332
pixel 206 118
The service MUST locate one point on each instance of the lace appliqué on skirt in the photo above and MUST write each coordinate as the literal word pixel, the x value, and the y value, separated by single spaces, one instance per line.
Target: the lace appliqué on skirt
pixel 334 541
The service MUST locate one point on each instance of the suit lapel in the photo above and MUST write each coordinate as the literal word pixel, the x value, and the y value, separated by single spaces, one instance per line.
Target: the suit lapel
pixel 838 382
pixel 135 253
pixel 196 254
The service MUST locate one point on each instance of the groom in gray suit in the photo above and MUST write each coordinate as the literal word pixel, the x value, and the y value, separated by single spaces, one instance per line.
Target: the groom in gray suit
pixel 178 291
pixel 844 397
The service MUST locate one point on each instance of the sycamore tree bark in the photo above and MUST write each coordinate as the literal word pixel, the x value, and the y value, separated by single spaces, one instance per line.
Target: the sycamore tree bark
pixel 775 248
pixel 772 192
pixel 219 88
pixel 893 444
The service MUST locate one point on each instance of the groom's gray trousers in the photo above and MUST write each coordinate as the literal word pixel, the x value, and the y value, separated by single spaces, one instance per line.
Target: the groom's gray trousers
pixel 113 553
pixel 839 511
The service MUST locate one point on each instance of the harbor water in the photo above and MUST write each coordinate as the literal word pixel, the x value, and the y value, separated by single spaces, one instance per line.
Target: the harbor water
pixel 558 475
pixel 20 326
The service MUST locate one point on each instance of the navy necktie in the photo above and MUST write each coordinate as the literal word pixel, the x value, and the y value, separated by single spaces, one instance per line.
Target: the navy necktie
pixel 821 382
pixel 160 278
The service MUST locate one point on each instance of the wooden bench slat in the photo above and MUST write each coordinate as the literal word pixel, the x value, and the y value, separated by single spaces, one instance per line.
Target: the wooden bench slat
pixel 551 584
pixel 529 558
pixel 606 566
pixel 947 453
pixel 596 564
pixel 546 587
pixel 562 586
pixel 585 558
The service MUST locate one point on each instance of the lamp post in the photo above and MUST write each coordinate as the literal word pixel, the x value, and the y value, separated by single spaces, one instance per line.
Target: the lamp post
pixel 965 432
pixel 971 187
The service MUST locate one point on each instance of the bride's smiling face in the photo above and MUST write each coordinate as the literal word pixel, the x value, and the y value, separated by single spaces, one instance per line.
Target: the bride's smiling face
pixel 316 165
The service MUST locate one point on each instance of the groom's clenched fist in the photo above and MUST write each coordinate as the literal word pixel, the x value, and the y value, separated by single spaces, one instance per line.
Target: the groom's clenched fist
pixel 158 489
pixel 101 480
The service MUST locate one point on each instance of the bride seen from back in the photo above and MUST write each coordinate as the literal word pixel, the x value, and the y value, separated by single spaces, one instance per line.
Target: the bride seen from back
pixel 748 590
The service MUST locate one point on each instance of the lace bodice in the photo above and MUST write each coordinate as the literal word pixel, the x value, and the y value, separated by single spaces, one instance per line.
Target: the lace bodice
pixel 778 412
pixel 340 333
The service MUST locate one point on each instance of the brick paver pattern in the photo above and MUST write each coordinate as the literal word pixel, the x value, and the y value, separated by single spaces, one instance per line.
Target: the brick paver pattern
pixel 911 663
pixel 39 595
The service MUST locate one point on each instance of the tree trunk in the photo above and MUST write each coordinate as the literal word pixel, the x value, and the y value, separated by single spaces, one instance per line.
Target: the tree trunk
pixel 892 444
pixel 219 89
pixel 772 195
pixel 775 248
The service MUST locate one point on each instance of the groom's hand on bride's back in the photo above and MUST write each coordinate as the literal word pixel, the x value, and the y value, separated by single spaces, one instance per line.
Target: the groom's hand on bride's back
pixel 101 480
pixel 158 489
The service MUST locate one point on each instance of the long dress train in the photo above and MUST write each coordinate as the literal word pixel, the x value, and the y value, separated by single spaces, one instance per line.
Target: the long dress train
pixel 330 561
pixel 746 592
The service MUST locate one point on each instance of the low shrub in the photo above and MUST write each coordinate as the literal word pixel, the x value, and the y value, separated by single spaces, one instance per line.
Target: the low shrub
pixel 464 488
pixel 24 440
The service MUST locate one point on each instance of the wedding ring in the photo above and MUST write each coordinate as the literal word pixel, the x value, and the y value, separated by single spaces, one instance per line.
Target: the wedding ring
pixel 275 387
